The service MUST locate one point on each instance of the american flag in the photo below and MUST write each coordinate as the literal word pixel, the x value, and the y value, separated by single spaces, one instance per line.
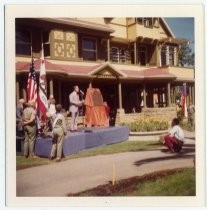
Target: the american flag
pixel 32 85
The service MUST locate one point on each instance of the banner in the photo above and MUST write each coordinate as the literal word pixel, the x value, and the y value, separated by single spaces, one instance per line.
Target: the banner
pixel 43 103
pixel 32 85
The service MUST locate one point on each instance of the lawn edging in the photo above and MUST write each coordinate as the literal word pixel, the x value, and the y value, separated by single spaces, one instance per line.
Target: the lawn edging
pixel 146 136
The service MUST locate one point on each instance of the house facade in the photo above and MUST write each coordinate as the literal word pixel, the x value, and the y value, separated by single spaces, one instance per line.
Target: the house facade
pixel 133 61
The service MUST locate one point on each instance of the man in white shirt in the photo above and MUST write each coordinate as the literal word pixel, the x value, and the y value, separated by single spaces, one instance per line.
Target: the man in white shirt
pixel 73 109
pixel 174 140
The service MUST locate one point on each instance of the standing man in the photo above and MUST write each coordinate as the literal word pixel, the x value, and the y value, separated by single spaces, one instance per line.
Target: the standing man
pixel 191 114
pixel 59 133
pixel 74 104
pixel 19 116
pixel 29 124
pixel 107 110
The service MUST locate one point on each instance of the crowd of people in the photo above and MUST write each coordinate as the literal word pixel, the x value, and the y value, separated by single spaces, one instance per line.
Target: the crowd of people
pixel 27 124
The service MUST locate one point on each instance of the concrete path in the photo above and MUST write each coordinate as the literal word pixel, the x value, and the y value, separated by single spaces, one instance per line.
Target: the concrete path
pixel 76 175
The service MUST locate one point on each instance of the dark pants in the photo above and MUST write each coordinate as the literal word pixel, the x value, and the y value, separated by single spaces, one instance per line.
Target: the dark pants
pixel 173 144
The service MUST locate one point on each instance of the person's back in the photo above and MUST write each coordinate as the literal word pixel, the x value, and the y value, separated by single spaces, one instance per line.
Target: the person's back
pixel 19 115
pixel 177 132
pixel 191 109
pixel 174 140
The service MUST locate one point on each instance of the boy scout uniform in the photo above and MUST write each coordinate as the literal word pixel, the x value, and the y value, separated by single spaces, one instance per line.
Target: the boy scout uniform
pixel 59 131
pixel 30 132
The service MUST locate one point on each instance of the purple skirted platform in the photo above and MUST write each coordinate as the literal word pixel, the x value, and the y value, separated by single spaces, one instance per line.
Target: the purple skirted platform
pixel 75 142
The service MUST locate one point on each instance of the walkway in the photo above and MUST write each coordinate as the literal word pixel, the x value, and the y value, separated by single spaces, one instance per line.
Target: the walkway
pixel 76 175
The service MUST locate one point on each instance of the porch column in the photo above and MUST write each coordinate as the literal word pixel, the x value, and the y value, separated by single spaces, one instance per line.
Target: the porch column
pixel 190 93
pixel 168 95
pixel 135 52
pixel 193 94
pixel 120 115
pixel 158 52
pixel 59 92
pixel 144 95
pixel 17 91
pixel 108 50
pixel 24 93
pixel 51 87
pixel 120 95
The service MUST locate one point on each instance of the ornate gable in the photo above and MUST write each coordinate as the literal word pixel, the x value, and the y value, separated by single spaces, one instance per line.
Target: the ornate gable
pixel 107 71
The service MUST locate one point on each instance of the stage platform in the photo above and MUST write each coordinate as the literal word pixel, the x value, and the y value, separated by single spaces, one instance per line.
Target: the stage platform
pixel 83 139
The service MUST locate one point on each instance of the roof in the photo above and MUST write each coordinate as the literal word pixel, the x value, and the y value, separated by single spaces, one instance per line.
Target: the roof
pixel 150 73
pixel 92 71
pixel 80 23
pixel 167 27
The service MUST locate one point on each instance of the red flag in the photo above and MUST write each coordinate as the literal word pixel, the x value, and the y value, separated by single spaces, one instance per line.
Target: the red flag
pixel 43 104
pixel 184 107
pixel 32 85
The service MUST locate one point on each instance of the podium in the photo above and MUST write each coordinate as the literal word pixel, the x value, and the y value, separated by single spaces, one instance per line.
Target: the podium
pixel 95 114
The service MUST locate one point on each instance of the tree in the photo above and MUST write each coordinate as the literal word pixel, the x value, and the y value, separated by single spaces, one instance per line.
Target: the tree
pixel 185 55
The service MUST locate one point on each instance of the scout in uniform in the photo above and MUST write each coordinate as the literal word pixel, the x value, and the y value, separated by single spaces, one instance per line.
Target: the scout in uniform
pixel 29 124
pixel 59 132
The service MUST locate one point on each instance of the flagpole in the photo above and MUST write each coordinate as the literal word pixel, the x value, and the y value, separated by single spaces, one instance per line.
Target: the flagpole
pixel 43 104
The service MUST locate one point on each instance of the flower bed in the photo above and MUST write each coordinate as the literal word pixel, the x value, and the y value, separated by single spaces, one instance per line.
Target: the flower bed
pixel 147 125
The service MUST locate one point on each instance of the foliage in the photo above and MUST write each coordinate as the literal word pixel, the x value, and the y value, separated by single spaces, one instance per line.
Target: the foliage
pixel 180 115
pixel 185 55
pixel 186 126
pixel 149 124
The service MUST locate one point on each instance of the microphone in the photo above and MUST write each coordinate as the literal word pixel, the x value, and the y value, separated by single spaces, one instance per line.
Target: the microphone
pixel 81 92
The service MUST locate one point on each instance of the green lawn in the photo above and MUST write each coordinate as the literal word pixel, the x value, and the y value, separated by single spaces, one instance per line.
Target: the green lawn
pixel 178 184
pixel 127 146
pixel 173 182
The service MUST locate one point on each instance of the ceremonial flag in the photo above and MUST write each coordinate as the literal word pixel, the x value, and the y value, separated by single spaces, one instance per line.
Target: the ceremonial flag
pixel 43 104
pixel 32 85
pixel 184 106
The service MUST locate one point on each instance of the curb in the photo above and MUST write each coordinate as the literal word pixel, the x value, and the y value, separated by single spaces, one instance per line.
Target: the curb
pixel 146 136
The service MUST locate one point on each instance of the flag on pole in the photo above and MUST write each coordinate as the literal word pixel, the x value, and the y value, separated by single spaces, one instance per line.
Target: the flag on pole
pixel 32 85
pixel 184 106
pixel 43 103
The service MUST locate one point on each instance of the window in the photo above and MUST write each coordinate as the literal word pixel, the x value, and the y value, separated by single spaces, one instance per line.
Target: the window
pixel 163 56
pixel 122 56
pixel 23 42
pixel 142 55
pixel 147 22
pixel 115 54
pixel 46 42
pixel 139 20
pixel 171 56
pixel 156 22
pixel 89 49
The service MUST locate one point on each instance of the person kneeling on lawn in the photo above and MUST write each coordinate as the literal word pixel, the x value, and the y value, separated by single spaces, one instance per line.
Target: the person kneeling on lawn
pixel 59 132
pixel 174 140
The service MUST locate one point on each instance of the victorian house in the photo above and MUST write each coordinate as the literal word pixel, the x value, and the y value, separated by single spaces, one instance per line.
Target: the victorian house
pixel 133 61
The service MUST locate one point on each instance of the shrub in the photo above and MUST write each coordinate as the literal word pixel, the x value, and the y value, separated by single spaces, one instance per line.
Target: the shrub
pixel 143 125
pixel 186 126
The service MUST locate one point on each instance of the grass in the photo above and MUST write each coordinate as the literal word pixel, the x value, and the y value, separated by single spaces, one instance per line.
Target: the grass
pixel 174 182
pixel 127 146
pixel 178 184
